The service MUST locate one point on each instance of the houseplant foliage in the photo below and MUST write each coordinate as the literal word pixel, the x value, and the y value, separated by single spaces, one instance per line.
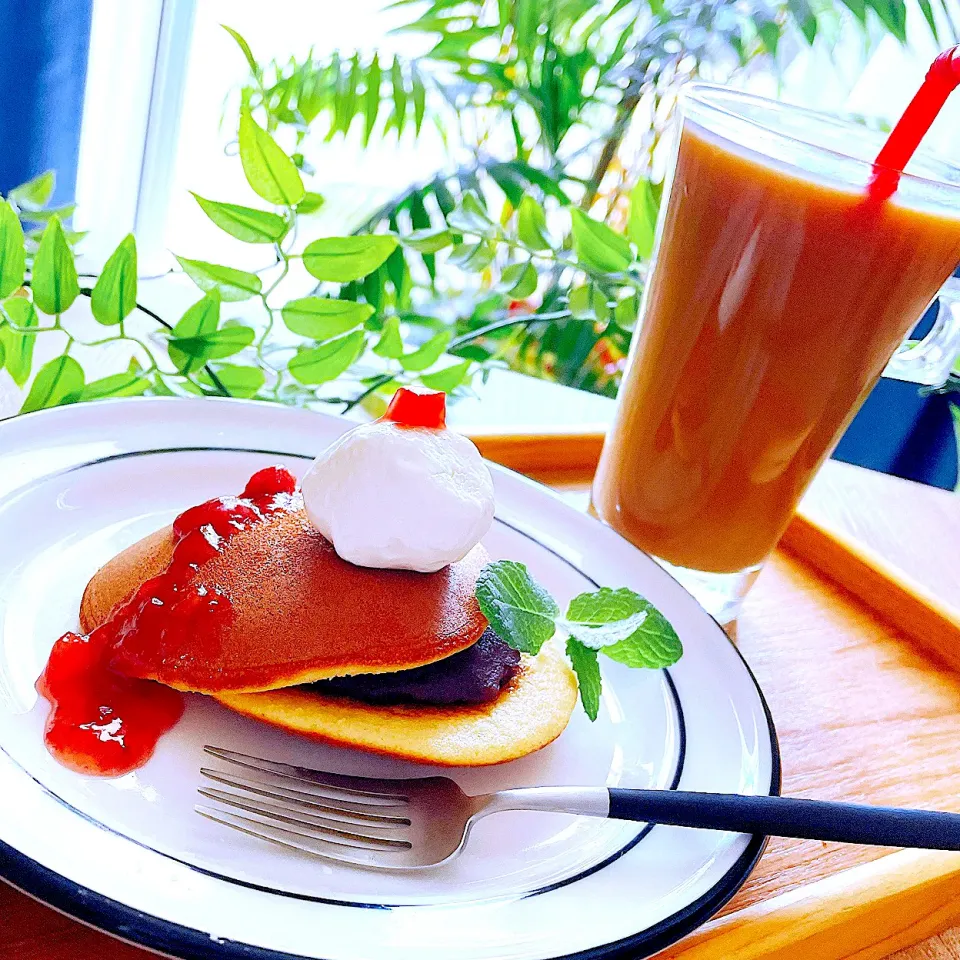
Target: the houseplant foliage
pixel 535 257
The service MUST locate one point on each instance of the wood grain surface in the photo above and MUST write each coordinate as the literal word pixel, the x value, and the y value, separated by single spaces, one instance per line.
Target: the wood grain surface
pixel 863 713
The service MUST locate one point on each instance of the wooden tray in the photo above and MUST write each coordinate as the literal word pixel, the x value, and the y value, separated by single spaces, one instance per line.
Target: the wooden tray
pixel 864 713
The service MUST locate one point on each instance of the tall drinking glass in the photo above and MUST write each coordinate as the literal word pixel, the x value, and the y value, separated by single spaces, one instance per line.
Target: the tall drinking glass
pixel 778 294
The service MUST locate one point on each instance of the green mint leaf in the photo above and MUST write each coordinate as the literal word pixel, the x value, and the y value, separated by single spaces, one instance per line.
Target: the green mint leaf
pixel 426 355
pixel 320 318
pixel 245 223
pixel 114 295
pixel 587 668
pixel 390 344
pixel 342 259
pixel 54 282
pixel 58 382
pixel 597 246
pixel 625 627
pixel 12 253
pixel 520 611
pixel 601 636
pixel 327 362
pixel 228 283
pixel 18 347
pixel 270 172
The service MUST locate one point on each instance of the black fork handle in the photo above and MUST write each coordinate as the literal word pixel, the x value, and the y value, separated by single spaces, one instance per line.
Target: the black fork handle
pixel 788 817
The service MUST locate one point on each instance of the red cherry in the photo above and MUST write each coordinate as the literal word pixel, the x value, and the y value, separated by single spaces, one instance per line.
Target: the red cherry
pixel 418 407
pixel 268 482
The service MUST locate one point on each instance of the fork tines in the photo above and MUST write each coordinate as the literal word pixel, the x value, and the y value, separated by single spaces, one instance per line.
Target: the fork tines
pixel 352 819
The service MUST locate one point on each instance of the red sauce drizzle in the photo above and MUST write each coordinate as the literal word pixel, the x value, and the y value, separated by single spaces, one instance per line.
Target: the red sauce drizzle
pixel 102 723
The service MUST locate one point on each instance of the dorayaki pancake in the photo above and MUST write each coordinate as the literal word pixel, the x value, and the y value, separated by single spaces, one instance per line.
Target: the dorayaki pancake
pixel 300 613
pixel 530 713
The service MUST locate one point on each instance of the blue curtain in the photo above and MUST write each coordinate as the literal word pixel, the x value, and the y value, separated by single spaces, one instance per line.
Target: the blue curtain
pixel 901 431
pixel 43 66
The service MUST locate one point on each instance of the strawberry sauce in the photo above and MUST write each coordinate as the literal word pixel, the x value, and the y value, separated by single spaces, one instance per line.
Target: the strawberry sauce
pixel 103 723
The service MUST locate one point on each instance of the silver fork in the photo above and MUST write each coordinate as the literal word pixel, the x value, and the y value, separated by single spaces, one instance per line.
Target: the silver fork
pixel 409 824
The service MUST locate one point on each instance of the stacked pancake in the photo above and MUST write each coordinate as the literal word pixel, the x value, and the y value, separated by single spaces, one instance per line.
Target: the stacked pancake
pixel 387 660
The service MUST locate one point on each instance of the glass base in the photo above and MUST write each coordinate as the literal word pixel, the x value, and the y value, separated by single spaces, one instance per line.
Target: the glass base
pixel 720 594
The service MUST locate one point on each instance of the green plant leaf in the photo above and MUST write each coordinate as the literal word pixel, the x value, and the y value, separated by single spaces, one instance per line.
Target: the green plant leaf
pixel 627 311
pixel 117 385
pixel 893 14
pixel 327 362
pixel 449 378
pixel 428 354
pixel 428 240
pixel 321 319
pixel 390 344
pixel 580 302
pixel 269 171
pixel 419 101
pixel 532 224
pixel 343 259
pixel 470 217
pixel 927 9
pixel 58 382
pixel 42 216
pixel 642 219
pixel 114 295
pixel 371 99
pixel 805 18
pixel 520 611
pixel 189 354
pixel 399 95
pixel 35 193
pixel 310 203
pixel 239 380
pixel 12 253
pixel 54 280
pixel 229 283
pixel 245 223
pixel 586 666
pixel 201 318
pixel 597 246
pixel 245 47
pixel 518 280
pixel 473 256
pixel 18 347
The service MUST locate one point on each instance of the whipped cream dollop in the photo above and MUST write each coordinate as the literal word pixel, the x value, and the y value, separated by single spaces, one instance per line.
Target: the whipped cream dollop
pixel 400 497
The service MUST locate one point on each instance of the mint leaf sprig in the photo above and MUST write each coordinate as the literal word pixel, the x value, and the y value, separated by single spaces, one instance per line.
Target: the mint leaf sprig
pixel 620 624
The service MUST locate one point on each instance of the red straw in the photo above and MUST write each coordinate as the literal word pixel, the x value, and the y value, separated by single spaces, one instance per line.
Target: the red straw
pixel 941 80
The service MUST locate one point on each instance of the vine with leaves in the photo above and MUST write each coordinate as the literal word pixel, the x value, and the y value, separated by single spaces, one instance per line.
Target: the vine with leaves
pixel 201 353
pixel 505 260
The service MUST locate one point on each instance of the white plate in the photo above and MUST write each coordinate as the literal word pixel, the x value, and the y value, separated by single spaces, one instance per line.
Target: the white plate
pixel 130 856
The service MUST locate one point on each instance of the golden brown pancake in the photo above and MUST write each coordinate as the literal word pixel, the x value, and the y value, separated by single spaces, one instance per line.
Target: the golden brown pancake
pixel 300 612
pixel 531 712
